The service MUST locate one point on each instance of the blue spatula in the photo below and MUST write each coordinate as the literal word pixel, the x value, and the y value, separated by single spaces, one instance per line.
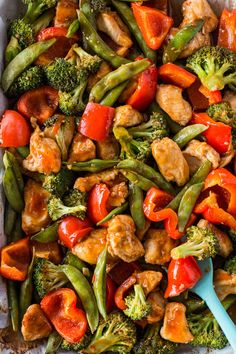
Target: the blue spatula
pixel 204 288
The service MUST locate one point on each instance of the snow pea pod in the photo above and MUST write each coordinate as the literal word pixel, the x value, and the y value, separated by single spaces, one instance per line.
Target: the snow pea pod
pixel 26 289
pixel 95 165
pixel 43 21
pixel 11 190
pixel 74 27
pixel 12 50
pixel 85 6
pixel 188 133
pixel 187 204
pixel 13 304
pixel 142 182
pixel 99 284
pixel 17 231
pixel 10 161
pixel 47 235
pixel 116 211
pixel 10 217
pixel 74 261
pixel 23 60
pixel 136 206
pixel 113 95
pixel 85 293
pixel 53 343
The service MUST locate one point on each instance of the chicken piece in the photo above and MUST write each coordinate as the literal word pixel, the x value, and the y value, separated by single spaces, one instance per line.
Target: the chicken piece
pixel 121 239
pixel 170 161
pixel 149 280
pixel 196 152
pixel 200 40
pixel 175 326
pixel 35 325
pixel 107 149
pixel 227 157
pixel 224 284
pixel 94 78
pixel 91 246
pixel 230 97
pixel 48 250
pixel 45 155
pixel 126 116
pixel 84 184
pixel 225 243
pixel 158 303
pixel 82 149
pixel 170 99
pixel 158 246
pixel 110 23
pixel 118 194
pixel 35 214
pixel 65 13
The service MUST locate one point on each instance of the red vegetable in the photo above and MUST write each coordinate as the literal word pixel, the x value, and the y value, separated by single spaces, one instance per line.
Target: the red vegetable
pixel 60 308
pixel 52 32
pixel 97 200
pixel 183 274
pixel 123 288
pixel 71 229
pixel 14 130
pixel 110 294
pixel 96 121
pixel 212 96
pixel 153 24
pixel 173 74
pixel 196 98
pixel 227 30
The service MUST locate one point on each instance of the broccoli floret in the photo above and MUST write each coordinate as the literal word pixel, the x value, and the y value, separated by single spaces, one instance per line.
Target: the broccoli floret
pixel 60 183
pixel 47 276
pixel 98 5
pixel 76 347
pixel 222 112
pixel 215 67
pixel 152 343
pixel 201 243
pixel 154 128
pixel 23 32
pixel 116 334
pixel 230 265
pixel 137 306
pixel 30 78
pixel 131 148
pixel 36 7
pixel 71 103
pixel 85 61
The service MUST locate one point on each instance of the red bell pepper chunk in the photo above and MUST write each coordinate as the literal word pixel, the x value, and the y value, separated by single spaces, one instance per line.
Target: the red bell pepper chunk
pixel 96 121
pixel 15 259
pixel 173 74
pixel 97 200
pixel 183 274
pixel 227 30
pixel 123 288
pixel 60 308
pixel 196 98
pixel 146 89
pixel 212 96
pixel 218 135
pixel 53 32
pixel 110 294
pixel 153 24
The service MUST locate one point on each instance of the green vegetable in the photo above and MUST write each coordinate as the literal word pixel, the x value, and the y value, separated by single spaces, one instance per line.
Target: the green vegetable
pixel 59 184
pixel 36 7
pixel 188 133
pixel 187 204
pixel 13 48
pixel 99 284
pixel 47 235
pixel 177 44
pixel 12 294
pixel 90 9
pixel 112 96
pixel 172 125
pixel 44 20
pixel 23 151
pixel 74 261
pixel 140 181
pixel 137 306
pixel 94 165
pixel 10 217
pixel 26 289
pixel 22 31
pixel 222 112
pixel 136 206
pixel 97 6
pixel 17 232
pixel 72 103
pixel 116 211
pixel 74 27
pixel 76 347
pixel 54 342
pixel 230 265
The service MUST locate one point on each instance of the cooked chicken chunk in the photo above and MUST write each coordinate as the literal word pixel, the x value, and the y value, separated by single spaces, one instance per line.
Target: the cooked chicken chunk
pixel 126 116
pixel 224 284
pixel 149 280
pixel 82 149
pixel 94 78
pixel 121 239
pixel 91 246
pixel 230 97
pixel 158 246
pixel 170 161
pixel 107 149
pixel 158 303
pixel 225 244
pixel 45 155
pixel 65 13
pixel 170 99
pixel 227 157
pixel 118 194
pixel 175 326
pixel 49 250
pixel 199 40
pixel 35 214
pixel 84 184
pixel 35 325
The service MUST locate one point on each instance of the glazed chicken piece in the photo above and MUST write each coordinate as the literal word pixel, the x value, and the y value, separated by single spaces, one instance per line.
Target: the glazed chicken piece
pixel 121 239
pixel 118 194
pixel 175 326
pixel 49 250
pixel 126 116
pixel 224 284
pixel 65 13
pixel 158 304
pixel 35 325
pixel 170 99
pixel 200 40
pixel 35 214
pixel 158 246
pixel 91 246
pixel 82 149
pixel 149 280
pixel 45 155
pixel 103 70
pixel 170 161
pixel 107 149
pixel 84 184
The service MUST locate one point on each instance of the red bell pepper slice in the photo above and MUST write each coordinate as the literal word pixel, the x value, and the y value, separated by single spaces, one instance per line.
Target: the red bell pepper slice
pixel 183 274
pixel 96 121
pixel 153 24
pixel 121 271
pixel 227 30
pixel 173 74
pixel 15 259
pixel 53 32
pixel 218 135
pixel 60 308
pixel 71 229
pixel 212 96
pixel 97 201
pixel 123 288
pixel 110 294
pixel 146 89
pixel 196 98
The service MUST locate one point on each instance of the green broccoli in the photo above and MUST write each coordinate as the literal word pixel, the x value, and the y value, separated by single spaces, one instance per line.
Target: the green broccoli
pixel 86 61
pixel 60 183
pixel 137 306
pixel 201 243
pixel 116 334
pixel 154 128
pixel 76 347
pixel 230 265
pixel 47 276
pixel 72 103
pixel 152 343
pixel 215 67
pixel 31 78
pixel 22 31
pixel 222 112
pixel 36 7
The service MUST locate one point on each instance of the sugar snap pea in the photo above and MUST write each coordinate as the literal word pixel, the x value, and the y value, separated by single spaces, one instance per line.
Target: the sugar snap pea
pixel 85 6
pixel 10 217
pixel 74 261
pixel 47 235
pixel 99 284
pixel 23 60
pixel 116 211
pixel 187 204
pixel 136 206
pixel 73 28
pixel 188 133
pixel 95 165
pixel 13 48
pixel 17 231
pixel 142 182
pixel 26 289
pixel 9 160
pixel 12 294
pixel 53 343
pixel 85 293
pixel 112 96
pixel 43 21
pixel 116 77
